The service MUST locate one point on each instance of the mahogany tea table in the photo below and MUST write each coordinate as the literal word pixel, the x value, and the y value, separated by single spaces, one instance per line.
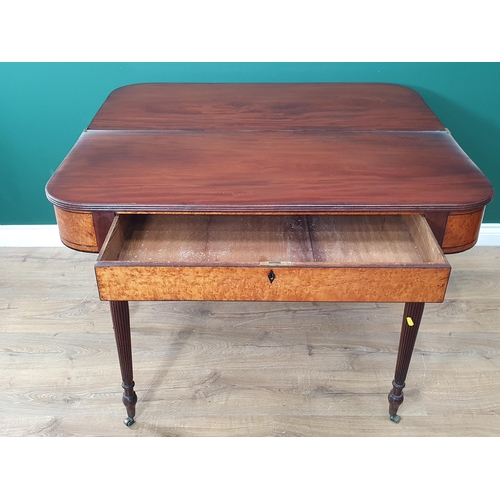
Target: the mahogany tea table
pixel 269 192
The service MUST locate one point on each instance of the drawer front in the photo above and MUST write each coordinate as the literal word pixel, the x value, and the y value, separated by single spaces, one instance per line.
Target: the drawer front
pixel 351 284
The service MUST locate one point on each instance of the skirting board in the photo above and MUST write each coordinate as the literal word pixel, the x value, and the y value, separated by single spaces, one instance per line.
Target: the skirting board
pixel 48 236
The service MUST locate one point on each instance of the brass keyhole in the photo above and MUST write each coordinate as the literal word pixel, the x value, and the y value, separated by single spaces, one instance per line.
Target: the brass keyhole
pixel 271 276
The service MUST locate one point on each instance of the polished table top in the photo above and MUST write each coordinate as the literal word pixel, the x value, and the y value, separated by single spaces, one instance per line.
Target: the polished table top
pixel 266 148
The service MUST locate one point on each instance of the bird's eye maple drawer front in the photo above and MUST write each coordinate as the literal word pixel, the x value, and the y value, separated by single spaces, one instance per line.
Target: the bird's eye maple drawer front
pixel 346 258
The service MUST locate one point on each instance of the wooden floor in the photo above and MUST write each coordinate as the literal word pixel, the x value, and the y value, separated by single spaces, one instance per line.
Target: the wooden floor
pixel 242 369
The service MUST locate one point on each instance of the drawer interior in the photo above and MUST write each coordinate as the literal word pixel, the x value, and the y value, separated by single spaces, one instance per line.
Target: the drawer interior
pixel 277 240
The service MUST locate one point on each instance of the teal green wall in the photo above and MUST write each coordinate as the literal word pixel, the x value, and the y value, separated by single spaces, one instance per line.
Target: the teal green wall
pixel 45 106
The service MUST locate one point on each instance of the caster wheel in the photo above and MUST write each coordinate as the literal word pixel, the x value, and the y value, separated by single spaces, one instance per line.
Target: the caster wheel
pixel 395 418
pixel 129 421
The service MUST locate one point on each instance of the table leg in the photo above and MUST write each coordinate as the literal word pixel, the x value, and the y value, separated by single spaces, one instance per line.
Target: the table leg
pixel 411 322
pixel 121 324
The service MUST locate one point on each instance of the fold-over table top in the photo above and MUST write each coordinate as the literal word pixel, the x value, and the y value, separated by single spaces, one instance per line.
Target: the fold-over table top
pixel 267 148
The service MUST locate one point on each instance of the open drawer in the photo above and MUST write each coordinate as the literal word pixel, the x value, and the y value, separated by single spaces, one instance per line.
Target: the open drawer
pixel 342 258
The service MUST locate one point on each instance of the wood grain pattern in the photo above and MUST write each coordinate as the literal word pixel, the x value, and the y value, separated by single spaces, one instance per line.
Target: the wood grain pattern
pixel 353 284
pixel 256 240
pixel 240 165
pixel 412 316
pixel 282 171
pixel 423 239
pixel 102 224
pixel 215 240
pixel 437 223
pixel 242 368
pixel 121 325
pixel 76 230
pixel 117 235
pixel 219 107
pixel 373 240
pixel 462 231
pixel 271 148
pixel 322 258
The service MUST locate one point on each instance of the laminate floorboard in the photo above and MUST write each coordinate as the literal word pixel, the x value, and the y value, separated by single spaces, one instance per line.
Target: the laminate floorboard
pixel 242 369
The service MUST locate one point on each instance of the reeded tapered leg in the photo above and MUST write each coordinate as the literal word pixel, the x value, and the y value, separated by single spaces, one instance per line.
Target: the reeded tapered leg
pixel 121 324
pixel 411 322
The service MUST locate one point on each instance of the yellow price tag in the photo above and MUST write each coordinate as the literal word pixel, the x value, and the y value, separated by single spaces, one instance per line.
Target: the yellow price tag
pixel 409 321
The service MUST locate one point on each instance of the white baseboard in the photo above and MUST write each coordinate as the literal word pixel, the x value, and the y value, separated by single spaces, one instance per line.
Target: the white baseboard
pixel 48 236
pixel 489 235
pixel 30 236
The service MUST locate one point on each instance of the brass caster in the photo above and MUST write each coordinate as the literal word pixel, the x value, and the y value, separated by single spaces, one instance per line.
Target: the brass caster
pixel 129 421
pixel 395 418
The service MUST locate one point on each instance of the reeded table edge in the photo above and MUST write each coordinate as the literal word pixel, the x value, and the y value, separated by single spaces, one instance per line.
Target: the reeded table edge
pixel 271 209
